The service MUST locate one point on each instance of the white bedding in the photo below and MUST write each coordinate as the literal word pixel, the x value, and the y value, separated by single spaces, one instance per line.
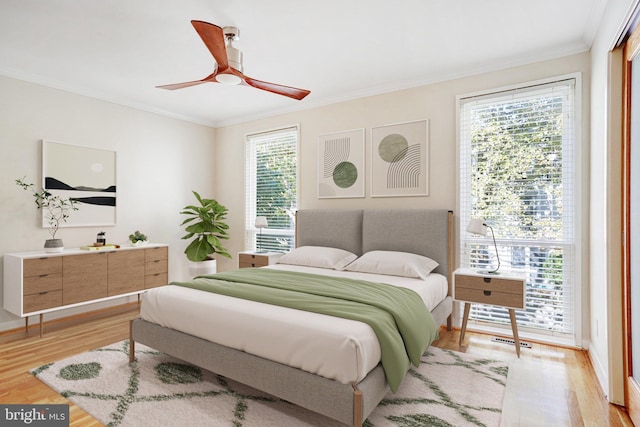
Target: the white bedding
pixel 340 349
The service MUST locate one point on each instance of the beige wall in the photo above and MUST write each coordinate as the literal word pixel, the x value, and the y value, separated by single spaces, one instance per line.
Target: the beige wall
pixel 159 161
pixel 435 102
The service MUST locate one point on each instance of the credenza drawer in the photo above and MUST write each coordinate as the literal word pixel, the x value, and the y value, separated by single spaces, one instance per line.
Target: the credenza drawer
pixel 42 301
pixel 155 280
pixel 153 254
pixel 157 266
pixel 40 266
pixel 43 283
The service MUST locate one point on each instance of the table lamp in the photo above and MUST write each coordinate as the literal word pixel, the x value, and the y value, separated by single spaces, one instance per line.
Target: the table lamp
pixel 479 227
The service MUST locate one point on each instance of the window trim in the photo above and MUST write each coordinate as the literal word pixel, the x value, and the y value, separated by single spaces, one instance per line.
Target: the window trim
pixel 251 231
pixel 579 187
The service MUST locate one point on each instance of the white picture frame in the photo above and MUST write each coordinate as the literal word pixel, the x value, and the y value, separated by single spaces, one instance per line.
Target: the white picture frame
pixel 400 159
pixel 341 164
pixel 84 174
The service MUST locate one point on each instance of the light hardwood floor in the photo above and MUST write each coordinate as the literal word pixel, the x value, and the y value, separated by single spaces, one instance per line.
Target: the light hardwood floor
pixel 560 382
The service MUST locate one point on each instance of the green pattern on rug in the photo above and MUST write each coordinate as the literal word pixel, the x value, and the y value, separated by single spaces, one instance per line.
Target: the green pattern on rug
pixel 448 389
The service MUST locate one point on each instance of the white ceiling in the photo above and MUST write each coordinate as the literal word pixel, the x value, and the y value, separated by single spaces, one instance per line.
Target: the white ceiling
pixel 119 50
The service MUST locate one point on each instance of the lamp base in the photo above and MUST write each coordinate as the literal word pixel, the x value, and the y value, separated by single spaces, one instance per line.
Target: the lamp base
pixel 487 272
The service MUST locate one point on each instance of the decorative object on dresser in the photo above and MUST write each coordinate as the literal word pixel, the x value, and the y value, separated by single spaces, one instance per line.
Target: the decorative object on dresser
pixel 39 283
pixel 138 239
pixel 261 222
pixel 56 210
pixel 257 259
pixel 206 223
pixel 505 290
pixel 479 227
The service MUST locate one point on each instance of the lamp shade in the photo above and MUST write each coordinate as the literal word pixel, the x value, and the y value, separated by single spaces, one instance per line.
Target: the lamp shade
pixel 261 222
pixel 477 226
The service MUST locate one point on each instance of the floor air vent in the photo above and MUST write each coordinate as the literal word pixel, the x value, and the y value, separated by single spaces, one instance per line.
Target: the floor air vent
pixel 510 341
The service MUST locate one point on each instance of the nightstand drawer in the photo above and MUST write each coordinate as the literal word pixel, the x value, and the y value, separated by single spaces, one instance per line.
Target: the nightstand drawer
pixel 502 291
pixel 252 259
pixel 489 297
pixel 496 284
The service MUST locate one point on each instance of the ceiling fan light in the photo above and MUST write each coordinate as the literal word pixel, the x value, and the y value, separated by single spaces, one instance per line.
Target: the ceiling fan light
pixel 228 79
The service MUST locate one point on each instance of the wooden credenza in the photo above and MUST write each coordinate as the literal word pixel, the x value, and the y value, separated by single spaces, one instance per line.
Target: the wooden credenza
pixel 40 282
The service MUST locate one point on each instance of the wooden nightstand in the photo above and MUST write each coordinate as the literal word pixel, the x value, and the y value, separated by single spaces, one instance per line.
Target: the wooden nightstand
pixel 257 259
pixel 503 290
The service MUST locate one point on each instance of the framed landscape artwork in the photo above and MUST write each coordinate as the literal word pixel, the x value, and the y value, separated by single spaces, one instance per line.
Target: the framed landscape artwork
pixel 86 175
pixel 341 164
pixel 400 159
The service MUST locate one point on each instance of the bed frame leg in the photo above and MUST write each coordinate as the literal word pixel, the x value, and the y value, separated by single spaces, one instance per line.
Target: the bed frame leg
pixel 132 343
pixel 357 407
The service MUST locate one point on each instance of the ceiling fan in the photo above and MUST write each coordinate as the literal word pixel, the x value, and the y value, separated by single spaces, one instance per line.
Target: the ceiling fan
pixel 229 63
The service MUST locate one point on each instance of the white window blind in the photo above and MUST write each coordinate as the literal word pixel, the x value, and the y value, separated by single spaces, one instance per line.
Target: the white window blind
pixel 517 172
pixel 271 188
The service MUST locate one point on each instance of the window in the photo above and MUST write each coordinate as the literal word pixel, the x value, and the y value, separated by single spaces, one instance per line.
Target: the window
pixel 517 151
pixel 271 188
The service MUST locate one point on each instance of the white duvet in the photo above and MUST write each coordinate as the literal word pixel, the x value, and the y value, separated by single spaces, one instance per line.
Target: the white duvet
pixel 340 349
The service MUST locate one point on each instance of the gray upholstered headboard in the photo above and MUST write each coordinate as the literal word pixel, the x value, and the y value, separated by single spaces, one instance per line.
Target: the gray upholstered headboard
pixel 427 232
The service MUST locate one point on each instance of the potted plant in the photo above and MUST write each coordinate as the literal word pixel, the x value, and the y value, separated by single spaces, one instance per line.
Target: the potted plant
pixel 205 224
pixel 57 210
pixel 138 239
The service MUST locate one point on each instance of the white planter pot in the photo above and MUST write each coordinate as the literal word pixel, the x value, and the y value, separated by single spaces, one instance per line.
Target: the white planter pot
pixel 53 245
pixel 202 267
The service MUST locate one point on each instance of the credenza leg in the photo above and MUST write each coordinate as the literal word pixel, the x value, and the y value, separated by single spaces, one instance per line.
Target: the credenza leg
pixel 26 324
pixel 41 323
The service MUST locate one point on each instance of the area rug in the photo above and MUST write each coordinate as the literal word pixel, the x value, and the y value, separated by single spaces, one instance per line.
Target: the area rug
pixel 448 389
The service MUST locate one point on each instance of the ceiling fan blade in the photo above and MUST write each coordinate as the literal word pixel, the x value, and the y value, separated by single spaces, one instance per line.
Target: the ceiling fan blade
pixel 289 91
pixel 181 85
pixel 174 86
pixel 213 38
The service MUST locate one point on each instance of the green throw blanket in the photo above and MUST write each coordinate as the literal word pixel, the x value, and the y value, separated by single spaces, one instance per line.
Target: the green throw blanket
pixel 401 321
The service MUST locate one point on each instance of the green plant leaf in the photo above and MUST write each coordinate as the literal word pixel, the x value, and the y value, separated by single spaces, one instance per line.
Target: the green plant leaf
pixel 198 250
pixel 206 224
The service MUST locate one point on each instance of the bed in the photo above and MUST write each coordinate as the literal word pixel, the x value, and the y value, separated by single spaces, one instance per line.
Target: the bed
pixel 348 395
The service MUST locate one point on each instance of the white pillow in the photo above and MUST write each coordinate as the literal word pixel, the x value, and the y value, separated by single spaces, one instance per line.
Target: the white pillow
pixel 394 264
pixel 318 256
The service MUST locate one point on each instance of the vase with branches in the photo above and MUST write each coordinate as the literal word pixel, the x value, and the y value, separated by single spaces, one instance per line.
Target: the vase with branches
pixel 56 211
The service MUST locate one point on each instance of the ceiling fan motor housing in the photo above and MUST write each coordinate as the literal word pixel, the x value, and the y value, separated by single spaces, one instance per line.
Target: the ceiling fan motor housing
pixel 232 34
pixel 235 58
